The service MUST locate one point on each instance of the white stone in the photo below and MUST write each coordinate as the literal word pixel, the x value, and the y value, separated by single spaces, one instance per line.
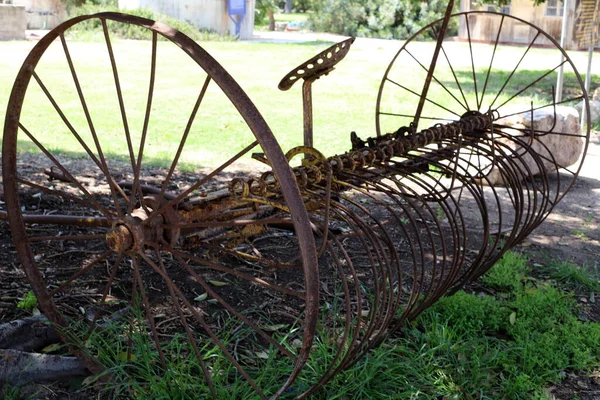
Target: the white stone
pixel 550 140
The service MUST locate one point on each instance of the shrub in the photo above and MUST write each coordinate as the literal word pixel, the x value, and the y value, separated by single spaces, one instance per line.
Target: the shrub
pixel 88 29
pixel 396 19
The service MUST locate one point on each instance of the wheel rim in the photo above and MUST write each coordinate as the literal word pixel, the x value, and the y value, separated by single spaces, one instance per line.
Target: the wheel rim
pixel 467 80
pixel 125 235
pixel 472 78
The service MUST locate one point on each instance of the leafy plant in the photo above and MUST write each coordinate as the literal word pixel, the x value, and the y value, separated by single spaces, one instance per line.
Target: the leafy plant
pixel 29 302
pixel 397 19
pixel 507 274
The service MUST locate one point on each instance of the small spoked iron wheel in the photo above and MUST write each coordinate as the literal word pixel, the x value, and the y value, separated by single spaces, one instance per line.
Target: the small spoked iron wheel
pixel 126 221
pixel 471 77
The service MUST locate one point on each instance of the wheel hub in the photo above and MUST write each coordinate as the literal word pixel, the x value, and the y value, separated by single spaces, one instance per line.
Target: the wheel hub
pixel 141 229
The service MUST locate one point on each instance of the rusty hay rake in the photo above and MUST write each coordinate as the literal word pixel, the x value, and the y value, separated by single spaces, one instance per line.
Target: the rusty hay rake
pixel 258 255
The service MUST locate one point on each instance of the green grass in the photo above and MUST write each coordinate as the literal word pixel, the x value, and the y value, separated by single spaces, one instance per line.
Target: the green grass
pixel 291 17
pixel 343 102
pixel 572 276
pixel 511 345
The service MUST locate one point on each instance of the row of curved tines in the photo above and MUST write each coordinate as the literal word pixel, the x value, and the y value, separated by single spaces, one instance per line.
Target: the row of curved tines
pixel 377 152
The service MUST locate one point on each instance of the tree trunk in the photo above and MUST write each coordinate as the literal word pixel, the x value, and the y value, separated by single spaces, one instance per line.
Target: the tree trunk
pixel 288 6
pixel 271 20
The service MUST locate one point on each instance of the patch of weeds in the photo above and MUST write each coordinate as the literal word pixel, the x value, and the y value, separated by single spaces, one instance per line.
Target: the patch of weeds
pixel 29 302
pixel 510 345
pixel 572 276
pixel 10 392
pixel 507 274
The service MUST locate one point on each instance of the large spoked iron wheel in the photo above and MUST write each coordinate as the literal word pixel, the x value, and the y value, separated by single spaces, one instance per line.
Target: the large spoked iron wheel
pixel 146 252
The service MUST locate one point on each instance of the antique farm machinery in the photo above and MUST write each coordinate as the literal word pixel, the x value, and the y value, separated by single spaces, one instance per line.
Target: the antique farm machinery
pixel 251 259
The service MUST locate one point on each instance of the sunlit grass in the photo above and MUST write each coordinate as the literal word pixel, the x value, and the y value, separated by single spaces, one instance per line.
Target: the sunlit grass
pixel 343 101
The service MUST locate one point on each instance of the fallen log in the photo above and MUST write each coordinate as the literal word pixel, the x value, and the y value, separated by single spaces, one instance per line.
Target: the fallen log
pixel 28 334
pixel 19 367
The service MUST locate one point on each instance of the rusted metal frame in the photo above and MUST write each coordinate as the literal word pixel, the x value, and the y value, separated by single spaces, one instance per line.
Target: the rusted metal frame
pixel 273 153
pixel 457 258
pixel 181 196
pixel 186 327
pixel 517 175
pixel 341 356
pixel 104 166
pixel 307 112
pixel 377 257
pixel 384 260
pixel 455 243
pixel 121 101
pixel 434 58
pixel 395 197
pixel 495 254
pixel 381 259
pixel 538 217
pixel 430 292
pixel 198 317
pixel 419 242
pixel 99 222
pixel 184 137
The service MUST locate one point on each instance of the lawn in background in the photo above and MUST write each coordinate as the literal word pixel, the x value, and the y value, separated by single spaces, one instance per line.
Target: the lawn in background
pixel 343 101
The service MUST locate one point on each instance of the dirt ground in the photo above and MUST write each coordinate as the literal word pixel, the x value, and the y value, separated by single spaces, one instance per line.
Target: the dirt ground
pixel 570 233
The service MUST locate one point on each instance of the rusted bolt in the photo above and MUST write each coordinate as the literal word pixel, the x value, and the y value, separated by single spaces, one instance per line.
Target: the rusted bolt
pixel 119 238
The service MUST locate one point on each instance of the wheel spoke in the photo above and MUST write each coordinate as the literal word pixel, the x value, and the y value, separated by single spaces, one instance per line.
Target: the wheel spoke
pixel 205 179
pixel 138 164
pixel 65 172
pixel 487 76
pixel 114 188
pixel 513 71
pixel 249 278
pixel 438 81
pixel 82 271
pixel 426 99
pixel 200 319
pixel 115 73
pixel 185 136
pixel 532 83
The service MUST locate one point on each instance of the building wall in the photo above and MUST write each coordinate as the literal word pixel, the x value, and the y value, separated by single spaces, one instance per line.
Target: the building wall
pixel 13 22
pixel 43 14
pixel 204 14
pixel 485 28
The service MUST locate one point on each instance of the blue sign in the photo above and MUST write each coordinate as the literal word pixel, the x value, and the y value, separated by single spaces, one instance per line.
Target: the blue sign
pixel 236 7
pixel 237 11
